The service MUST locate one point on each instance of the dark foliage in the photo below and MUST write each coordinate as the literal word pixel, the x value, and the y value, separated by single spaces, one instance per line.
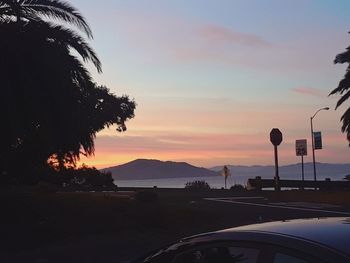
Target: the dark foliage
pixel 37 10
pixel 343 89
pixel 238 187
pixel 197 185
pixel 83 176
pixel 50 108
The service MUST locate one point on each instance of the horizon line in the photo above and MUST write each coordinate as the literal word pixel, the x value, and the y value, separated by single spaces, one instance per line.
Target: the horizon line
pixel 210 167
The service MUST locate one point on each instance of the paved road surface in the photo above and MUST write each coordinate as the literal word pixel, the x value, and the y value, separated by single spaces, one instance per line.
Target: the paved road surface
pixel 257 201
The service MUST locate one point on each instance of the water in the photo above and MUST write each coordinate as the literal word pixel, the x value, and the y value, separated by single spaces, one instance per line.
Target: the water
pixel 214 181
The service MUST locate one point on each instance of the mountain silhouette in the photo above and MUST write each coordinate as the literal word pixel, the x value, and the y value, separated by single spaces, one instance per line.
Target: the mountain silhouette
pixel 155 169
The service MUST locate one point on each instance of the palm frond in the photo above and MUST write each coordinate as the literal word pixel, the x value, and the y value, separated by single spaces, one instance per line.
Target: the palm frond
pixel 73 40
pixel 343 98
pixel 343 86
pixel 343 57
pixel 55 9
pixel 6 19
pixel 79 73
pixel 6 2
pixel 346 121
pixel 6 12
pixel 60 10
pixel 66 37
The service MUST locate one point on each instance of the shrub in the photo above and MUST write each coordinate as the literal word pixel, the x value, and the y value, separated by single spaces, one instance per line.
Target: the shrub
pixel 197 185
pixel 83 176
pixel 238 187
pixel 146 196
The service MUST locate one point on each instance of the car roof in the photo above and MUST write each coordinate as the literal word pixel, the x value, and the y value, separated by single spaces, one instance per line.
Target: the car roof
pixel 326 238
pixel 333 232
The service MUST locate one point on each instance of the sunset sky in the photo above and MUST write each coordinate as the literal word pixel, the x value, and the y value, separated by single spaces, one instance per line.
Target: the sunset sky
pixel 211 78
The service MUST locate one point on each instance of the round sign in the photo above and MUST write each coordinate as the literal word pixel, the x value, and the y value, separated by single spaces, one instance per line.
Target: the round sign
pixel 276 136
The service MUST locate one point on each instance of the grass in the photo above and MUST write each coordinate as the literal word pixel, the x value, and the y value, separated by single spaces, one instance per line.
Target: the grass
pixel 30 220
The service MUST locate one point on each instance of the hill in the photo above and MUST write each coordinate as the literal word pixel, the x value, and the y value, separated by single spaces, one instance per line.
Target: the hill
pixel 155 169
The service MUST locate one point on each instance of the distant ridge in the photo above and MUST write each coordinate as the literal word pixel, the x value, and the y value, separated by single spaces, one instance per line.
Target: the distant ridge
pixel 154 169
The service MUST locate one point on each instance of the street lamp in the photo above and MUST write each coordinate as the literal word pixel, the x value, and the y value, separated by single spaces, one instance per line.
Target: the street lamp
pixel 312 140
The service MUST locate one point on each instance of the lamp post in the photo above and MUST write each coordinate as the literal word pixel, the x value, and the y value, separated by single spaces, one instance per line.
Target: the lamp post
pixel 312 140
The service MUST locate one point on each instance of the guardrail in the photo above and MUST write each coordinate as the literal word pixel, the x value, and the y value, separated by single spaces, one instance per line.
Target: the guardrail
pixel 258 184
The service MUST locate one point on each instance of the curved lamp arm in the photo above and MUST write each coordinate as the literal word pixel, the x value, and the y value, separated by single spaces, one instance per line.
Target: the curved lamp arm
pixel 325 108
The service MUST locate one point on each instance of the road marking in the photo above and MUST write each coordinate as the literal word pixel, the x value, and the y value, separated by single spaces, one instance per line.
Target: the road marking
pixel 306 205
pixel 239 197
pixel 277 206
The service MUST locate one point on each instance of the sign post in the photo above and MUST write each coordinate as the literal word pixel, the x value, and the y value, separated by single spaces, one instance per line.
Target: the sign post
pixel 313 140
pixel 301 150
pixel 317 140
pixel 276 139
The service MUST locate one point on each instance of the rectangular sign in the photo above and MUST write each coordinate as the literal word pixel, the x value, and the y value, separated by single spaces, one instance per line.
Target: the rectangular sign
pixel 317 140
pixel 301 147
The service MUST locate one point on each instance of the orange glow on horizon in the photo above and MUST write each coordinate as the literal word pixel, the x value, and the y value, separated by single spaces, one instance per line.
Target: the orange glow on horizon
pixel 213 154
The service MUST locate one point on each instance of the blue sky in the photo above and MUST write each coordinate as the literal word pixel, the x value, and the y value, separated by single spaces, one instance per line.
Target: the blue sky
pixel 212 78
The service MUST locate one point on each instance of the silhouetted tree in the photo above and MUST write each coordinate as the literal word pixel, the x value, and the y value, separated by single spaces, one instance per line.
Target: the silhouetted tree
pixel 50 107
pixel 226 173
pixel 344 90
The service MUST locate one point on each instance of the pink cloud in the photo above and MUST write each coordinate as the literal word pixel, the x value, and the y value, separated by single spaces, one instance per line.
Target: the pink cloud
pixel 184 40
pixel 223 35
pixel 159 39
pixel 310 91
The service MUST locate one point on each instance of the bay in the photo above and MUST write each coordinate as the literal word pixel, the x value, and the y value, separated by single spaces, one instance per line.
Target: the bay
pixel 213 181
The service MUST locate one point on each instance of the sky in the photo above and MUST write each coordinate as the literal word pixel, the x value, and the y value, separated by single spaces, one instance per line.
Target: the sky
pixel 211 78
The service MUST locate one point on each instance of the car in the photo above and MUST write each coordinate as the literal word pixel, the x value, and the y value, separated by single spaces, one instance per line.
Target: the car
pixel 314 240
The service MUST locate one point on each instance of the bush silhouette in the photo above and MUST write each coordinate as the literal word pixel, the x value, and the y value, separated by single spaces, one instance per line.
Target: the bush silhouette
pixel 197 185
pixel 238 187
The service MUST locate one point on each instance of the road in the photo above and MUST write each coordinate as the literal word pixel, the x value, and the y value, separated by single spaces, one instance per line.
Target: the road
pixel 321 209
